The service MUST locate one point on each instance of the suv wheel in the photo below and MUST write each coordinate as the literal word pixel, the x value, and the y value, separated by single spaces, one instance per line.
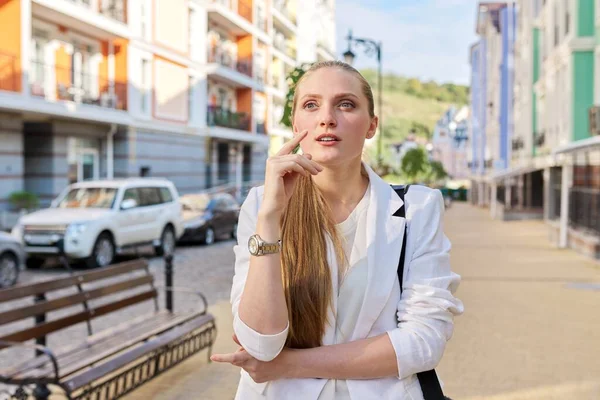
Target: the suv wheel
pixel 167 243
pixel 9 269
pixel 34 262
pixel 103 252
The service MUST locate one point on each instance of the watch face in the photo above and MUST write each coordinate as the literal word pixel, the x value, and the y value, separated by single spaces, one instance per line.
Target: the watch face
pixel 253 245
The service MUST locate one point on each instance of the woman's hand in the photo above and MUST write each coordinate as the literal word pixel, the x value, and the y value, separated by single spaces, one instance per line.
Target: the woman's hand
pixel 283 170
pixel 259 371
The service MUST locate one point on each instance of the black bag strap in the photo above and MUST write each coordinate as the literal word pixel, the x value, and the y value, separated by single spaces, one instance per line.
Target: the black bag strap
pixel 428 380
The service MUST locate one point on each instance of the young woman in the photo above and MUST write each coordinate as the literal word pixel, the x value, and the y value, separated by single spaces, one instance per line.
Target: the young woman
pixel 316 298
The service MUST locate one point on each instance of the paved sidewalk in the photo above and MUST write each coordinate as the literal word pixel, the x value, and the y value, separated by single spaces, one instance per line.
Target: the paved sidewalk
pixel 526 333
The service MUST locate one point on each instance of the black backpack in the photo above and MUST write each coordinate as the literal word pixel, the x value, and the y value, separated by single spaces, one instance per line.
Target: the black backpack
pixel 430 384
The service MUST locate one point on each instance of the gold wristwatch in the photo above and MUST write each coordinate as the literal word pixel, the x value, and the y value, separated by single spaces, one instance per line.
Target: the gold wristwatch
pixel 259 247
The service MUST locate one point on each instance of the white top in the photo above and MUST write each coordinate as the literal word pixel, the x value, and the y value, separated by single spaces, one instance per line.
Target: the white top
pixel 351 288
pixel 426 309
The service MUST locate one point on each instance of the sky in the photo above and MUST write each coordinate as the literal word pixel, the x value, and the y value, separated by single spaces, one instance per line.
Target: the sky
pixel 427 39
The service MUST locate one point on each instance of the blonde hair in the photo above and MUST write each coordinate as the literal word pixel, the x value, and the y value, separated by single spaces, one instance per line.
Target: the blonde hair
pixel 306 222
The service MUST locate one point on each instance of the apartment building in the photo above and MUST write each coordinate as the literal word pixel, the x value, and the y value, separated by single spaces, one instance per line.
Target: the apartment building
pixel 188 90
pixel 554 169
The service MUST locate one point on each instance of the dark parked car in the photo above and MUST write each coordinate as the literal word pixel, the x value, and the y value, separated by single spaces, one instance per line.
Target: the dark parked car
pixel 12 257
pixel 207 217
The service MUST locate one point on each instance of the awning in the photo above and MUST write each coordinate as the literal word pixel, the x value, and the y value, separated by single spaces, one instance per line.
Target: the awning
pixel 512 172
pixel 579 145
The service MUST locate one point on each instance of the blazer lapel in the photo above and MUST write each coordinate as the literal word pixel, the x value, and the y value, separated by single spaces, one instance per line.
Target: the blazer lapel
pixel 384 243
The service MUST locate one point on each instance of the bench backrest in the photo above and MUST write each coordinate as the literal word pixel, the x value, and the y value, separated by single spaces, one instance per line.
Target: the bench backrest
pixel 116 279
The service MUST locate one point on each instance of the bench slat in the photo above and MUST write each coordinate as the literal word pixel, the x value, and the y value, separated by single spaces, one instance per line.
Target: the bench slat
pixel 20 291
pixel 99 347
pixel 71 300
pixel 52 326
pixel 124 359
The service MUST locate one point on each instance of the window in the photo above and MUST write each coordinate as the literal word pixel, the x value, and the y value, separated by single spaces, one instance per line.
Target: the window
pixel 149 196
pixel 143 19
pixel 132 194
pixel 192 36
pixel 165 195
pixel 89 198
pixel 144 84
pixel 191 98
pixel 37 75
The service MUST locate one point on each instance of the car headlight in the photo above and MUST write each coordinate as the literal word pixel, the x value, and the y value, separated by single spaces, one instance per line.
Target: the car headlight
pixel 17 232
pixel 76 229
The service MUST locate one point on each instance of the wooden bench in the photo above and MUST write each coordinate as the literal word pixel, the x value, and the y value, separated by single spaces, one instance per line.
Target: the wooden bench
pixel 111 362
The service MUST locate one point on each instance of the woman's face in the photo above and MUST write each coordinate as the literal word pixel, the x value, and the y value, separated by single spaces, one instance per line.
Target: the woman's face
pixel 331 101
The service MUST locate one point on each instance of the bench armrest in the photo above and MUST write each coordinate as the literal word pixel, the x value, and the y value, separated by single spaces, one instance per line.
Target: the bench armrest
pixel 182 289
pixel 7 378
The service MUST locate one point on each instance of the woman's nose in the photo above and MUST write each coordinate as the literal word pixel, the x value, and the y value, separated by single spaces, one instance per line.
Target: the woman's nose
pixel 327 118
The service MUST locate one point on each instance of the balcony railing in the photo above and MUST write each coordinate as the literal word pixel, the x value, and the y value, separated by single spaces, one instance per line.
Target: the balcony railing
pixel 61 83
pixel 584 209
pixel 224 58
pixel 282 7
pixel 219 116
pixel 114 9
pixel 281 45
pixel 261 128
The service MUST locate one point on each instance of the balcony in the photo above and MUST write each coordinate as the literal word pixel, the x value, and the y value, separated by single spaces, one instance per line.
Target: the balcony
pixel 283 18
pixel 324 50
pixel 226 59
pixel 114 9
pixel 60 83
pixel 261 128
pixel 219 116
pixel 232 15
pixel 102 19
pixel 283 8
pixel 283 48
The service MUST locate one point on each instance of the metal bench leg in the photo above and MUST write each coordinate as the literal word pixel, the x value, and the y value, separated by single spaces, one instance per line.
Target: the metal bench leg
pixel 41 392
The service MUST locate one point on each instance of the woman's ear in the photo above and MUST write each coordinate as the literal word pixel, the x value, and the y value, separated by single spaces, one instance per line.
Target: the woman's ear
pixel 373 127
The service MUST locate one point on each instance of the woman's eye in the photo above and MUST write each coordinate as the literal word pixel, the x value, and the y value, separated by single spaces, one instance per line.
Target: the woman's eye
pixel 346 104
pixel 310 105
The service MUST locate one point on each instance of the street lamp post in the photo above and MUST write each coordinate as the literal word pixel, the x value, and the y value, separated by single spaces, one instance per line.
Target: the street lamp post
pixel 371 47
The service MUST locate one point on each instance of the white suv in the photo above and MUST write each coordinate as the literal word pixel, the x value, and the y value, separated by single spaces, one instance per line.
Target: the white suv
pixel 95 220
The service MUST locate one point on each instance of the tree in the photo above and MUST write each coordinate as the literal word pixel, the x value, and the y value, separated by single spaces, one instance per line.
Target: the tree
pixel 292 80
pixel 414 163
pixel 436 172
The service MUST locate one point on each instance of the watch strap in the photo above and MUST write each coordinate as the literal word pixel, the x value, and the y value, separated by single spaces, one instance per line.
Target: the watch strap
pixel 270 248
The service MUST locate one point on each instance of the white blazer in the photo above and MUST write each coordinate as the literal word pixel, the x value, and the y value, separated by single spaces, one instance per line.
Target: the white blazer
pixel 426 310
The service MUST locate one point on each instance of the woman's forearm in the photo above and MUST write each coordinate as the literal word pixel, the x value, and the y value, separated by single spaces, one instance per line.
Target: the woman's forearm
pixel 363 359
pixel 262 305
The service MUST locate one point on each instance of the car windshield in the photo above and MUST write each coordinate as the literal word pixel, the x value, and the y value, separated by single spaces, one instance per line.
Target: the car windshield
pixel 195 202
pixel 89 198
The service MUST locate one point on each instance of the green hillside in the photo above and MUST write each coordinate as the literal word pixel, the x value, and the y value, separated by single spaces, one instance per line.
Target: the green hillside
pixel 409 103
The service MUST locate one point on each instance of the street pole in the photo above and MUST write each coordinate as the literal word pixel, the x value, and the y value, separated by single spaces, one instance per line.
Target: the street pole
pixel 372 48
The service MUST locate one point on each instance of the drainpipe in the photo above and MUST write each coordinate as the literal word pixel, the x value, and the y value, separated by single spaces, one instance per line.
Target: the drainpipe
pixel 110 151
